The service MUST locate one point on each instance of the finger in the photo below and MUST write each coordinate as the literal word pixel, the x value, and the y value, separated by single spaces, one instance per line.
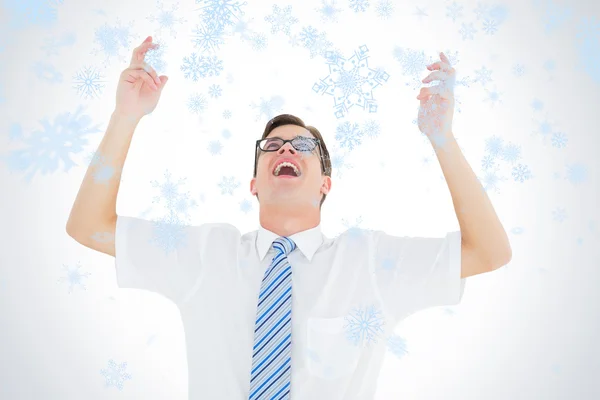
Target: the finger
pixel 137 58
pixel 133 75
pixel 148 68
pixel 441 65
pixel 425 92
pixel 444 58
pixel 436 75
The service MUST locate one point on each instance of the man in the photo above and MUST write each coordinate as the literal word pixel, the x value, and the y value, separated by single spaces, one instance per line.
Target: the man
pixel 285 312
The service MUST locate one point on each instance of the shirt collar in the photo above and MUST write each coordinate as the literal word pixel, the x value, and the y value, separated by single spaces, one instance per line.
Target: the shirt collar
pixel 308 241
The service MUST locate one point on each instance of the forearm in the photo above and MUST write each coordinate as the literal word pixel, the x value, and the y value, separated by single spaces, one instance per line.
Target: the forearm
pixel 96 201
pixel 479 225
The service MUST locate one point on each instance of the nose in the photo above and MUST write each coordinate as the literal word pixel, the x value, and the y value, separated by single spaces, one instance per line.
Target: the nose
pixel 286 146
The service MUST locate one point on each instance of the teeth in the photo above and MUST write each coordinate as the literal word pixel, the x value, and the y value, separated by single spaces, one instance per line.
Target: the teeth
pixel 286 164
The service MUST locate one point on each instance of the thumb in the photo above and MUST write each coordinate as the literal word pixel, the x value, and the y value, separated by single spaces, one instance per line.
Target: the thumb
pixel 163 80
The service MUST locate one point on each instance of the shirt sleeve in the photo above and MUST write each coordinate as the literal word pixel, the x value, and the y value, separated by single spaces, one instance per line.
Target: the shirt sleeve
pixel 161 258
pixel 415 273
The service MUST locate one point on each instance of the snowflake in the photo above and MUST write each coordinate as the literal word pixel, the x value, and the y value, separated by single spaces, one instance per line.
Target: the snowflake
pixel 228 185
pixel 521 173
pixel 226 133
pixel 338 162
pixel 481 10
pixel 169 234
pixel 23 13
pixel 397 345
pixel 204 66
pixel 491 179
pixel 197 103
pixel 588 38
pixel 493 96
pixel 354 231
pixel 351 82
pixel 166 18
pixel 74 277
pixel 115 375
pixel 47 72
pixel 46 148
pixel 208 37
pixel 454 11
pixel 498 14
pixel 545 128
pixel 313 40
pixel 511 153
pixel 359 5
pixel 88 82
pixel 245 206
pixel 102 171
pixel 215 147
pixel 363 325
pixel 215 91
pixel 576 173
pixel 490 26
pixel 176 202
pixel 371 128
pixel 268 108
pixel 112 40
pixel 241 28
pixel 488 161
pixel 483 76
pixel 259 41
pixel 385 9
pixel 537 105
pixel 559 140
pixel 413 62
pixel 348 135
pixel 281 19
pixel 519 70
pixel 227 114
pixel 494 145
pixel 328 11
pixel 221 12
pixel 467 31
pixel 559 214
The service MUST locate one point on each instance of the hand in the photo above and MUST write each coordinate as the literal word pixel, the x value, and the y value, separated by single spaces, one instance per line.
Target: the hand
pixel 139 86
pixel 437 102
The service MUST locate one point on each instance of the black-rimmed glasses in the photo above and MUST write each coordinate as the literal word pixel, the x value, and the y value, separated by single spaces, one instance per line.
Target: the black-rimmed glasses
pixel 300 143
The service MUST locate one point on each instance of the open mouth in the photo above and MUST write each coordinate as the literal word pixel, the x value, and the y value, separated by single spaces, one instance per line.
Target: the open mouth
pixel 286 170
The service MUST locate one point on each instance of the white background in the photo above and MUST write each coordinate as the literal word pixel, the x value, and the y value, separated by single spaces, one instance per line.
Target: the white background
pixel 526 331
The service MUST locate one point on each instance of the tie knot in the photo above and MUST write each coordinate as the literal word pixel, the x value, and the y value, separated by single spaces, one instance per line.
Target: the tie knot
pixel 284 244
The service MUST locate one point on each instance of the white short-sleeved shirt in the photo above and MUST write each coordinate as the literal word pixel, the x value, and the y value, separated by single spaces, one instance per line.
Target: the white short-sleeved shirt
pixel 348 293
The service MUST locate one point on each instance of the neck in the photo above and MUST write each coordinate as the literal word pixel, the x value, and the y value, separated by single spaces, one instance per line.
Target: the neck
pixel 284 220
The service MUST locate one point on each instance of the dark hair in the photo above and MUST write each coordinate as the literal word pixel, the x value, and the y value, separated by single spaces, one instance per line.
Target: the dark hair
pixel 288 119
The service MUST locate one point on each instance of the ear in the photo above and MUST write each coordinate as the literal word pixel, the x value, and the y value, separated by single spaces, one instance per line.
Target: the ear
pixel 326 187
pixel 253 186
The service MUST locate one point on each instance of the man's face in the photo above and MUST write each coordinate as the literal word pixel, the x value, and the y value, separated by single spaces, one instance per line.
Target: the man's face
pixel 277 187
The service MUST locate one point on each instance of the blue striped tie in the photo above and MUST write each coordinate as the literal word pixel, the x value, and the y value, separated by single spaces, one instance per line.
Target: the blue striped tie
pixel 272 351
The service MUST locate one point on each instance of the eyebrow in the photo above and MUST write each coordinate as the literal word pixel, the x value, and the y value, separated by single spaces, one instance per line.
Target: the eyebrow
pixel 277 137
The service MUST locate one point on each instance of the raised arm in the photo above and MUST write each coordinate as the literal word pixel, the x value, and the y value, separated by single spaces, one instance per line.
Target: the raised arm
pixel 93 217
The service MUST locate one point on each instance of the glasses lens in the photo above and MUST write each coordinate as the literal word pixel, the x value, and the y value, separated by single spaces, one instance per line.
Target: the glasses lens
pixel 271 144
pixel 303 144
